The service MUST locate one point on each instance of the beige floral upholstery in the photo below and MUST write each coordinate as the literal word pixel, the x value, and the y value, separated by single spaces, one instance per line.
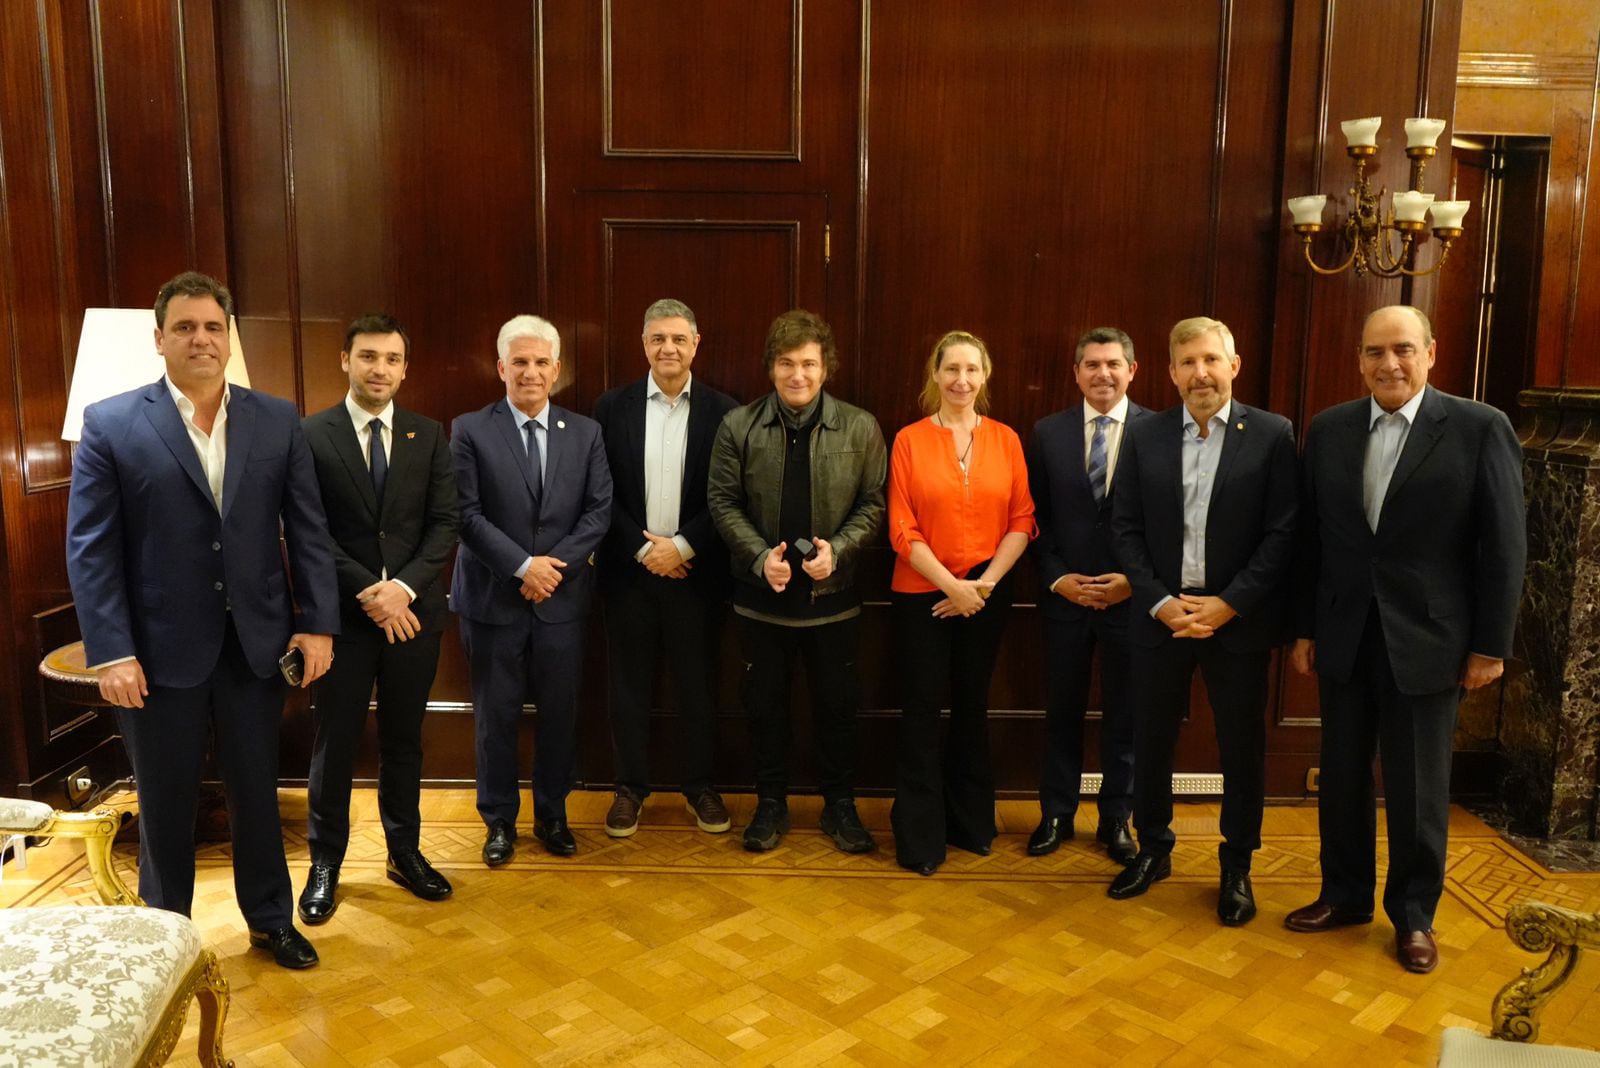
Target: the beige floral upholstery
pixel 17 815
pixel 89 986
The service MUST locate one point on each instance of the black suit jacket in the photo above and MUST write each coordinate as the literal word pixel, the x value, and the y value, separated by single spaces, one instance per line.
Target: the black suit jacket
pixel 1249 524
pixel 1074 531
pixel 1446 562
pixel 621 415
pixel 413 534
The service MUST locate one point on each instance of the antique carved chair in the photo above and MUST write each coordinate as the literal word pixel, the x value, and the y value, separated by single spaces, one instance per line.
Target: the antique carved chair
pixel 100 985
pixel 1537 928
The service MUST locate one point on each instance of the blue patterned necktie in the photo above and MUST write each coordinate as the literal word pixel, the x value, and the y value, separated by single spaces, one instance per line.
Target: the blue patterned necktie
pixel 378 462
pixel 1097 458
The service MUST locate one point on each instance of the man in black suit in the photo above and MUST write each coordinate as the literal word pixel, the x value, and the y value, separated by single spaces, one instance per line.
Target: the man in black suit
pixel 535 496
pixel 1204 526
pixel 1412 554
pixel 663 569
pixel 390 497
pixel 1072 464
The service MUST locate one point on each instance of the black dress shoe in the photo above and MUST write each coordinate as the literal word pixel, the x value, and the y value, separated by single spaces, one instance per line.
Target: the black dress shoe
pixel 1048 836
pixel 1118 842
pixel 497 847
pixel 1236 902
pixel 318 900
pixel 1136 878
pixel 920 869
pixel 556 836
pixel 974 848
pixel 288 947
pixel 411 869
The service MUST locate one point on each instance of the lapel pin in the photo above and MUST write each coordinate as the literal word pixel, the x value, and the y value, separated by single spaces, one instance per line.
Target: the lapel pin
pixel 1238 426
pixel 411 434
pixel 561 424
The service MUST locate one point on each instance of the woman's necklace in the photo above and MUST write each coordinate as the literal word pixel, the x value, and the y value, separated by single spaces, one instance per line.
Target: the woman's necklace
pixel 972 436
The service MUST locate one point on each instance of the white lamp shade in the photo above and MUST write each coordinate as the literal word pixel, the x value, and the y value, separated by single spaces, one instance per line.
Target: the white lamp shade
pixel 1423 133
pixel 1411 206
pixel 117 352
pixel 1307 209
pixel 1361 131
pixel 1447 214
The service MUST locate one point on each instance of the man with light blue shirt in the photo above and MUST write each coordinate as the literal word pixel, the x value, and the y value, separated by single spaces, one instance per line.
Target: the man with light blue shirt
pixel 1412 554
pixel 1203 525
pixel 663 569
pixel 535 496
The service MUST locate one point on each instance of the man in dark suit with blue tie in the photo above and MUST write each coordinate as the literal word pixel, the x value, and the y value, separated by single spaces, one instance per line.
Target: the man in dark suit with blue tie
pixel 664 570
pixel 179 490
pixel 535 496
pixel 1413 546
pixel 389 492
pixel 1203 524
pixel 1071 471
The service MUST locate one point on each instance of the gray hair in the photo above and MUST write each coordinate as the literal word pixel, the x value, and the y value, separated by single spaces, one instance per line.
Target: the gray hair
pixel 1105 335
pixel 528 326
pixel 667 308
pixel 1187 330
pixel 1422 320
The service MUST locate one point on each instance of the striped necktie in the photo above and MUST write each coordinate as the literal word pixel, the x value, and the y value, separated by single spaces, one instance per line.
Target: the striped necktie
pixel 1097 458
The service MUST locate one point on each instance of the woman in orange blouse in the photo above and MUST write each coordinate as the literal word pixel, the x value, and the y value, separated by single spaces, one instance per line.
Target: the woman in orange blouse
pixel 959 516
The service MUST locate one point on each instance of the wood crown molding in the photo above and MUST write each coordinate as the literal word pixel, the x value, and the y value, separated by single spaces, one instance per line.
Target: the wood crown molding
pixel 1525 70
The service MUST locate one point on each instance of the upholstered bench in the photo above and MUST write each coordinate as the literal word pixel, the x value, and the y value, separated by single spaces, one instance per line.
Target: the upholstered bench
pixel 92 986
pixel 100 986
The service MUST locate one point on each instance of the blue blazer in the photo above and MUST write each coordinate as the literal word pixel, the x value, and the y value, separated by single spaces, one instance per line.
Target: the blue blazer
pixel 155 569
pixel 1250 525
pixel 1074 532
pixel 500 527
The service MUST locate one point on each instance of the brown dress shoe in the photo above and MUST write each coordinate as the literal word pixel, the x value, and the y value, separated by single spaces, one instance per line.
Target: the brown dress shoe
pixel 1319 916
pixel 623 817
pixel 710 814
pixel 1416 950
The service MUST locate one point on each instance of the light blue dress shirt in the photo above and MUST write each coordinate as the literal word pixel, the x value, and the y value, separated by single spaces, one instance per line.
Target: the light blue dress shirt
pixel 1200 458
pixel 541 433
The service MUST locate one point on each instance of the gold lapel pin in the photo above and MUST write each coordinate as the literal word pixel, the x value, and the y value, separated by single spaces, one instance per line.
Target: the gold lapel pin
pixel 411 433
pixel 561 424
pixel 1238 426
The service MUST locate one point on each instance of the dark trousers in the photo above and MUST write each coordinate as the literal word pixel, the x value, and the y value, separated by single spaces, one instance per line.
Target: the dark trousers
pixel 1414 733
pixel 648 616
pixel 830 653
pixel 511 664
pixel 403 673
pixel 949 796
pixel 1069 649
pixel 166 741
pixel 1236 683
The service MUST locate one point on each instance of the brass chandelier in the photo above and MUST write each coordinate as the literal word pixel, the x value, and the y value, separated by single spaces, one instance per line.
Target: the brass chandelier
pixel 1369 234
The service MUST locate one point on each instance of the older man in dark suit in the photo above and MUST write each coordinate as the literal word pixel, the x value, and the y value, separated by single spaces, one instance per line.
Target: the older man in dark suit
pixel 664 570
pixel 390 496
pixel 1413 550
pixel 535 494
pixel 1204 526
pixel 179 491
pixel 1072 464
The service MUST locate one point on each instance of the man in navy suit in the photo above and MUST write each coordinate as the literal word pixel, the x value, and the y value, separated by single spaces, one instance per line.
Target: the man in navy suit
pixel 1413 549
pixel 664 570
pixel 1072 465
pixel 389 491
pixel 535 496
pixel 178 492
pixel 1203 523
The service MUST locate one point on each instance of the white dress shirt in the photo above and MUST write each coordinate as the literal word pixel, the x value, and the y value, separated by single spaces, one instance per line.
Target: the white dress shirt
pixel 362 420
pixel 1119 420
pixel 212 448
pixel 666 440
pixel 1386 439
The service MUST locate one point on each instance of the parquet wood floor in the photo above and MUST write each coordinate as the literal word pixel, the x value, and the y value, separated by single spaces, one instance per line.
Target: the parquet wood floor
pixel 677 948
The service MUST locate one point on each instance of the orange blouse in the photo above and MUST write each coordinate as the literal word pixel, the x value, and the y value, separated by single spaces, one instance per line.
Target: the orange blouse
pixel 960 516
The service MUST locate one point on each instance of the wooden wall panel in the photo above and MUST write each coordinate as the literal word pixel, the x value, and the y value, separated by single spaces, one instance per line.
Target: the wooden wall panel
pixel 739 98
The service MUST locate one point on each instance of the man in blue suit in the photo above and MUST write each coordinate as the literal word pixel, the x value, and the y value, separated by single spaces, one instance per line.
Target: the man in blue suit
pixel 178 493
pixel 535 493
pixel 1203 525
pixel 1072 465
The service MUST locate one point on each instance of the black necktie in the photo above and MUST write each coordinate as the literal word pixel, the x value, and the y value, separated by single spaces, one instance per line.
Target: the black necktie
pixel 378 461
pixel 533 460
